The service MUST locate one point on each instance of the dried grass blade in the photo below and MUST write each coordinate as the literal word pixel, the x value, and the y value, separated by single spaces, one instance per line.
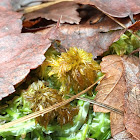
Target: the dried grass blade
pixel 101 105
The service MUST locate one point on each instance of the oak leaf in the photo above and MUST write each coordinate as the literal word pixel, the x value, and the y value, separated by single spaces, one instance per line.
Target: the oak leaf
pixel 124 135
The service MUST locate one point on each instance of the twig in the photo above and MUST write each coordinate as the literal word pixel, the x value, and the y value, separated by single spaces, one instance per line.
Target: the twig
pixel 101 105
pixel 46 110
pixel 122 25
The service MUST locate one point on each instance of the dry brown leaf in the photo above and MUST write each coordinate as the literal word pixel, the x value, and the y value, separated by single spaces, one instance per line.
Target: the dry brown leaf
pixel 29 24
pixel 119 8
pixel 124 135
pixel 135 27
pixel 19 52
pixel 111 90
pixel 65 9
pixel 132 96
pixel 104 23
pixel 88 38
pixel 10 22
pixel 115 90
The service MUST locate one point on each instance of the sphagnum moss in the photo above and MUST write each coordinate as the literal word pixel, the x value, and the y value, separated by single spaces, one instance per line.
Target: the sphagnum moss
pixel 74 68
pixel 40 96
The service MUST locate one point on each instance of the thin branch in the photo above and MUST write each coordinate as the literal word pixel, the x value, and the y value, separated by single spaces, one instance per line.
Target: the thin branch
pixel 46 110
pixel 122 25
pixel 101 105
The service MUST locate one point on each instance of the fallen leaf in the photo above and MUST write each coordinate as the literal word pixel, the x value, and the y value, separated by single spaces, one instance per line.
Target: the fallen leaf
pixel 124 135
pixel 29 24
pixel 136 26
pixel 115 90
pixel 132 96
pixel 106 24
pixel 117 8
pixel 65 9
pixel 6 27
pixel 88 38
pixel 19 52
pixel 111 90
pixel 91 15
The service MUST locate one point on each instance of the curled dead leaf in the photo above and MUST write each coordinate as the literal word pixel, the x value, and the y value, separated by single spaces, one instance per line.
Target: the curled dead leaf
pixel 117 8
pixel 65 9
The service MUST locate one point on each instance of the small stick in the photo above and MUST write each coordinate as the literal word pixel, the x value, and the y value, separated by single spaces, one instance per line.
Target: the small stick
pixel 101 105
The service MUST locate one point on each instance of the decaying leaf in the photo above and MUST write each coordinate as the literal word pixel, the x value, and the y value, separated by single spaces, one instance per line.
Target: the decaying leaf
pixel 124 135
pixel 65 9
pixel 88 38
pixel 11 24
pixel 19 52
pixel 117 8
pixel 121 85
pixel 29 24
pixel 106 24
pixel 136 26
pixel 132 96
pixel 26 52
pixel 111 90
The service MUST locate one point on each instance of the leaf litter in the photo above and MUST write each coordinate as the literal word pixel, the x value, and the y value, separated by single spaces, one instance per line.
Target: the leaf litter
pixel 120 87
pixel 53 12
pixel 18 53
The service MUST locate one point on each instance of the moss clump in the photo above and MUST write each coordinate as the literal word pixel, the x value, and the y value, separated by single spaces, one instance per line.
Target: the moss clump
pixel 40 96
pixel 74 68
